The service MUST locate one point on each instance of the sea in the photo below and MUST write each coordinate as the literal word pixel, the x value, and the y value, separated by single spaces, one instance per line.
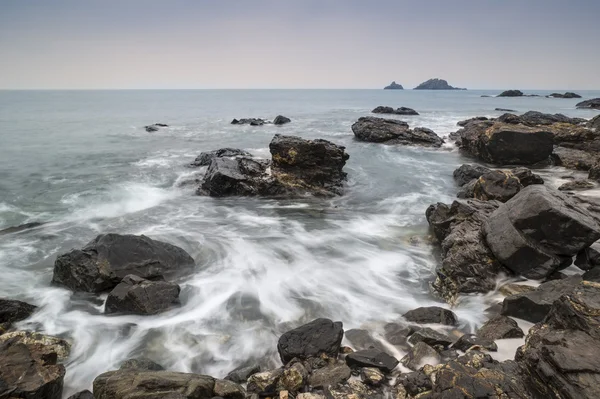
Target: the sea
pixel 81 163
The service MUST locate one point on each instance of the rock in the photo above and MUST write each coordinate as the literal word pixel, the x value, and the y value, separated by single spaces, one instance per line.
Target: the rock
pixel 595 172
pixel 281 120
pixel 573 159
pixel 538 231
pixel 353 390
pixel 29 370
pixel 475 119
pixel 505 110
pixel 312 339
pixel 511 289
pixel 141 363
pixel 241 374
pixel 205 158
pixel 330 375
pixel 362 339
pixel 264 383
pixel 131 383
pixel 589 257
pixel 534 306
pixel 151 128
pixel 466 173
pixel 468 265
pixel 103 262
pixel 496 185
pixel 594 123
pixel 593 104
pixel 135 295
pixel 526 176
pixel 419 355
pixel 372 358
pixel 436 84
pixel 398 111
pixel 577 184
pixel 566 95
pixel 39 343
pixel 229 390
pixel 467 341
pixel 82 395
pixel 413 384
pixel 511 93
pixel 306 395
pixel 372 376
pixel 431 314
pixel 431 337
pixel 294 377
pixel 536 118
pixel 393 86
pixel 249 121
pixel 12 311
pixel 392 131
pixel 397 334
pixel 592 275
pixel 20 228
pixel 237 177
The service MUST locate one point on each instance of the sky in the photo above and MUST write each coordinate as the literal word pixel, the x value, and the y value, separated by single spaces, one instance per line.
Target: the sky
pixel 212 44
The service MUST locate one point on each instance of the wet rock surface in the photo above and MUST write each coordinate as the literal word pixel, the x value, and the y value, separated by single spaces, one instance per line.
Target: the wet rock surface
pixel 398 111
pixel 393 132
pixel 205 158
pixel 135 295
pixel 419 355
pixel 321 336
pixel 372 358
pixel 431 314
pixel 500 327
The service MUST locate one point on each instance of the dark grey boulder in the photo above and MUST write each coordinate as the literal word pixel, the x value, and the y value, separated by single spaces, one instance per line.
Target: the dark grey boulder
pixel 228 390
pixel 135 295
pixel 431 314
pixel 500 327
pixel 398 111
pixel 413 384
pixel 589 257
pixel 593 104
pixel 420 354
pixel 12 311
pixel 141 363
pixel 594 123
pixel 320 336
pixel 536 118
pixel 465 122
pixel 205 158
pixel 372 358
pixel 330 375
pixel 236 177
pixel 466 173
pixel 577 185
pixel 526 176
pixel 241 374
pixel 392 131
pixel 534 306
pixel 496 185
pixel 511 93
pixel 592 275
pixel 572 158
pixel 595 172
pixel 281 120
pixel 104 261
pixel 82 395
pixel 431 337
pixel 467 341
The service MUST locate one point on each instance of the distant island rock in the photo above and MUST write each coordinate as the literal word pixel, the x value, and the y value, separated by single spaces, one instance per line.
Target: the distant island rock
pixel 393 86
pixel 511 93
pixel 398 111
pixel 593 104
pixel 436 84
pixel 566 95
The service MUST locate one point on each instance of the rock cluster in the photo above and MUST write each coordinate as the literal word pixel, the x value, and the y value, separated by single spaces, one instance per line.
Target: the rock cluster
pixel 393 132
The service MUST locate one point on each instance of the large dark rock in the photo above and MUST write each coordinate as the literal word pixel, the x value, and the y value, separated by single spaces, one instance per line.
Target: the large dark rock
pixel 573 159
pixel 205 158
pixel 465 173
pixel 436 84
pixel 538 231
pixel 496 185
pixel 589 257
pixel 419 355
pixel 392 131
pixel 592 275
pixel 398 111
pixel 372 358
pixel 566 95
pixel 237 177
pixel 593 104
pixel 320 336
pixel 511 93
pixel 431 314
pixel 468 265
pixel 526 176
pixel 393 86
pixel 534 306
pixel 431 337
pixel 12 311
pixel 104 261
pixel 536 118
pixel 131 383
pixel 471 120
pixel 135 295
pixel 281 120
pixel 29 370
pixel 500 327
pixel 39 342
pixel 330 375
pixel 467 341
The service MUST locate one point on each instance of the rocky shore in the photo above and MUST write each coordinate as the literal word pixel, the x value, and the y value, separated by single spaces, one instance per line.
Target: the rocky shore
pixel 506 223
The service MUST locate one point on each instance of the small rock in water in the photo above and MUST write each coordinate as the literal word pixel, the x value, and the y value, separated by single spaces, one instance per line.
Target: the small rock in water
pixel 505 110
pixel 312 339
pixel 578 184
pixel 468 341
pixel 431 314
pixel 22 227
pixel 397 334
pixel 430 337
pixel 281 120
pixel 12 311
pixel 419 355
pixel 593 104
pixel 205 158
pixel 372 358
pixel 141 363
pixel 500 327
pixel 511 93
pixel 135 295
pixel 241 374
pixel 372 376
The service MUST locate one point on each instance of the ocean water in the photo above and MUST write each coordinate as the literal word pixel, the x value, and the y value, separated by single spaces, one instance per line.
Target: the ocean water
pixel 82 162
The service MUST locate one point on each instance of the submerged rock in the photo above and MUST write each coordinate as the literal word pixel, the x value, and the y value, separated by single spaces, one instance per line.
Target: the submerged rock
pixel 593 104
pixel 436 84
pixel 431 337
pixel 141 363
pixel 392 131
pixel 320 336
pixel 12 311
pixel 205 158
pixel 419 355
pixel 362 339
pixel 566 95
pixel 511 93
pixel 281 120
pixel 577 184
pixel 107 259
pixel 372 358
pixel 135 295
pixel 431 314
pixel 249 121
pixel 19 228
pixel 398 111
pixel 393 86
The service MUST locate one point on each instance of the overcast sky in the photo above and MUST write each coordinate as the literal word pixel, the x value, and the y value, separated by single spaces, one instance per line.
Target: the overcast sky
pixel 186 44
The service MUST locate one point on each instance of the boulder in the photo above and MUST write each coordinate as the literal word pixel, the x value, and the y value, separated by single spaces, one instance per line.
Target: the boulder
pixel 135 295
pixel 82 395
pixel 573 159
pixel 496 185
pixel 592 104
pixel 594 123
pixel 467 341
pixel 577 184
pixel 281 120
pixel 105 261
pixel 372 358
pixel 592 275
pixel 372 376
pixel 249 121
pixel 436 84
pixel 475 119
pixel 228 390
pixel 589 257
pixel 330 375
pixel 241 374
pixel 511 93
pixel 500 327
pixel 237 177
pixel 431 337
pixel 526 176
pixel 511 289
pixel 466 173
pixel 29 370
pixel 362 339
pixel 320 336
pixel 12 311
pixel 595 172
pixel 431 314
pixel 566 95
pixel 294 377
pixel 538 231
pixel 141 363
pixel 419 355
pixel 205 158
pixel 534 306
pixel 393 86
pixel 412 384
pixel 40 343
pixel 265 382
pixel 535 118
pixel 131 383
pixel 392 131
pixel 398 111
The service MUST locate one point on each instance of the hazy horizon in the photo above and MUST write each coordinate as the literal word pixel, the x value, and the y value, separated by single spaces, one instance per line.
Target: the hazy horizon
pixel 269 44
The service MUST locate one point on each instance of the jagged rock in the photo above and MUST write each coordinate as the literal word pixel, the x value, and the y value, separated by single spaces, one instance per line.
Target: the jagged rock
pixel 436 84
pixel 82 395
pixel 393 86
pixel 566 95
pixel 20 228
pixel 589 257
pixel 420 354
pixel 431 337
pixel 496 185
pixel 431 314
pixel 372 376
pixel 593 104
pixel 362 339
pixel 241 374
pixel 330 375
pixel 141 363
pixel 392 131
pixel 294 377
pixel 535 118
pixel 534 306
pixel 135 295
pixel 237 177
pixel 312 339
pixel 372 358
pixel 511 93
pixel 12 311
pixel 398 111
pixel 538 231
pixel 205 158
pixel 353 390
pixel 467 341
pixel 573 159
pixel 475 119
pixel 249 121
pixel 104 261
pixel 265 382
pixel 39 342
pixel 466 173
pixel 281 120
pixel 526 176
pixel 511 289
pixel 413 384
pixel 229 390
pixel 577 184
pixel 131 383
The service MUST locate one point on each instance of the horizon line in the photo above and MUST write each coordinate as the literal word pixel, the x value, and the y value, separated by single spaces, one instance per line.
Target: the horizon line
pixel 280 88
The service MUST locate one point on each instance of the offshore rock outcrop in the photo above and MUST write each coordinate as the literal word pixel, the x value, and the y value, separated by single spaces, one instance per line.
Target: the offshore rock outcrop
pixel 436 84
pixel 393 132
pixel 393 86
